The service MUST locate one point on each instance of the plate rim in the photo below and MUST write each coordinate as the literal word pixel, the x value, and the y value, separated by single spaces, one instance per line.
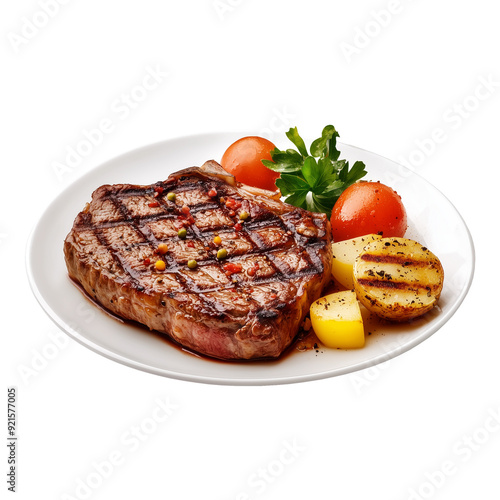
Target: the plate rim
pixel 234 381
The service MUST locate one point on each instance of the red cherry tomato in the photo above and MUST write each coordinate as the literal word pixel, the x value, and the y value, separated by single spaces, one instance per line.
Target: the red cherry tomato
pixel 368 208
pixel 243 160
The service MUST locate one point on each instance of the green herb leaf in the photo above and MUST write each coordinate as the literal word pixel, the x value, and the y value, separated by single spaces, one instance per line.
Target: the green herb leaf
pixel 321 147
pixel 327 174
pixel 338 165
pixel 310 183
pixel 310 171
pixel 333 152
pixel 298 199
pixel 284 161
pixel 289 184
pixel 357 172
pixel 293 135
pixel 322 204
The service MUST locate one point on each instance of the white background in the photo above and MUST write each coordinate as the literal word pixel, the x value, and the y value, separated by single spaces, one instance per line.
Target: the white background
pixel 257 66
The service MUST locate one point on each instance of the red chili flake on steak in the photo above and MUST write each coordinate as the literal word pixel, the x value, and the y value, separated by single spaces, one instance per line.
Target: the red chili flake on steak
pixel 232 268
pixel 153 204
pixel 185 221
pixel 251 271
pixel 233 204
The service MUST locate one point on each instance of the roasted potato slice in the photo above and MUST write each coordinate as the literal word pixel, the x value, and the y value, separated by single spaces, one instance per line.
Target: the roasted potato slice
pixel 344 254
pixel 397 278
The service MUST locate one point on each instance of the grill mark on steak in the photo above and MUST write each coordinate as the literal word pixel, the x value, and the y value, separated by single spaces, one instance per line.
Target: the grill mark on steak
pixel 291 246
pixel 147 234
pixel 123 263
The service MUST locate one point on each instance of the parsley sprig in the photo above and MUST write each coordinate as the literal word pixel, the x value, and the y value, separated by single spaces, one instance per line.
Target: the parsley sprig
pixel 314 180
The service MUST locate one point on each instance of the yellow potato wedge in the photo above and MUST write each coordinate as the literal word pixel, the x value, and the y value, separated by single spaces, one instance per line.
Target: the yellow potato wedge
pixel 397 278
pixel 344 255
pixel 337 322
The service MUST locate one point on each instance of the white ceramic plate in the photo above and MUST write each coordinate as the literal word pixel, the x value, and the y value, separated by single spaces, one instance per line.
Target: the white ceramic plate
pixel 433 221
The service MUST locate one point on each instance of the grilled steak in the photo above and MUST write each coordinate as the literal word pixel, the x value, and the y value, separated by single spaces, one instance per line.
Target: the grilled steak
pixel 244 305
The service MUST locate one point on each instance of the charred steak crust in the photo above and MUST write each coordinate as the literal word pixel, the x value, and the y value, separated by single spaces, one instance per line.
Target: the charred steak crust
pixel 246 306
